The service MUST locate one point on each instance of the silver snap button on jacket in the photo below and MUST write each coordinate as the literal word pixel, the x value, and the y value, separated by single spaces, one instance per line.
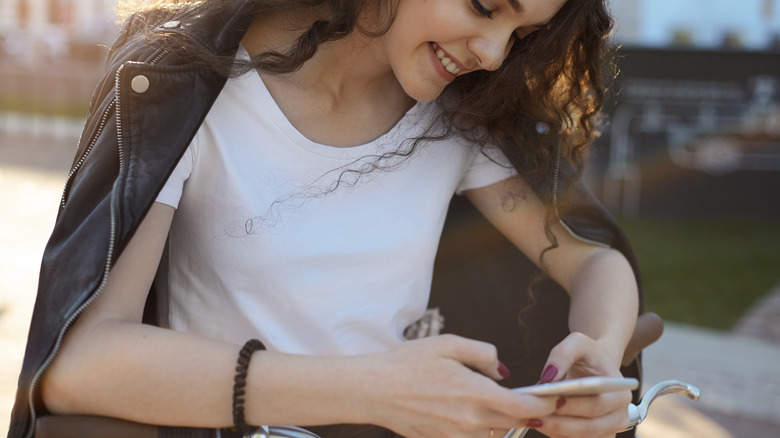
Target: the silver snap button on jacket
pixel 140 84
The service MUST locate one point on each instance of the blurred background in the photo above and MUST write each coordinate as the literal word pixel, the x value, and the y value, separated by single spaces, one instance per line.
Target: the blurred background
pixel 688 160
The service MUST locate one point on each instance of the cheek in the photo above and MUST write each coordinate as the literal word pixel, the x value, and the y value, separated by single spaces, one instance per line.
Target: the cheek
pixel 403 47
pixel 424 20
pixel 412 71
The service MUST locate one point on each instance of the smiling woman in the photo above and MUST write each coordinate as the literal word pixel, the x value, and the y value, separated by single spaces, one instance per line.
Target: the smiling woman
pixel 478 35
pixel 280 171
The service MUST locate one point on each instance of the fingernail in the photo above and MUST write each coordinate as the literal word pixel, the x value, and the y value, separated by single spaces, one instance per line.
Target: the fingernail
pixel 503 371
pixel 534 423
pixel 560 403
pixel 549 373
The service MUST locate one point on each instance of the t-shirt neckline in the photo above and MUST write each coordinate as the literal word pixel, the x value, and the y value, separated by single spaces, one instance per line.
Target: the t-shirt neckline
pixel 266 100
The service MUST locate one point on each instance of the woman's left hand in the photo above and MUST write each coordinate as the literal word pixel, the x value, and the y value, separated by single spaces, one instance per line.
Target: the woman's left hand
pixel 595 416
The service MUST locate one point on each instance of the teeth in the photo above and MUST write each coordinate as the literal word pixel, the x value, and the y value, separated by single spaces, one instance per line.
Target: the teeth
pixel 446 62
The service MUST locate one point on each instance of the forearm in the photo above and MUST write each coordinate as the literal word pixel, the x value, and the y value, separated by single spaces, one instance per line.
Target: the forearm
pixel 604 301
pixel 157 376
pixel 110 364
pixel 602 317
pixel 443 385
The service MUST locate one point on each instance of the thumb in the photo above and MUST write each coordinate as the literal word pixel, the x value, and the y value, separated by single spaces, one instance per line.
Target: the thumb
pixel 576 347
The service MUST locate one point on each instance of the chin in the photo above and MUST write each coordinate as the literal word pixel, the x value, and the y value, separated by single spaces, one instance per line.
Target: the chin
pixel 425 99
pixel 423 94
pixel 419 87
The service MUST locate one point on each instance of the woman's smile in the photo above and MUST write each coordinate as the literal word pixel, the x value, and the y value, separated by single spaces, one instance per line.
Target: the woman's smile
pixel 432 42
pixel 450 63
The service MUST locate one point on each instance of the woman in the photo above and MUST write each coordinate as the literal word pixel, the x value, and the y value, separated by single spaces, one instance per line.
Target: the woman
pixel 302 202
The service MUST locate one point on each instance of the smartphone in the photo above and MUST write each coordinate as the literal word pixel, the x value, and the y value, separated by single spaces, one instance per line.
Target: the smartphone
pixel 583 386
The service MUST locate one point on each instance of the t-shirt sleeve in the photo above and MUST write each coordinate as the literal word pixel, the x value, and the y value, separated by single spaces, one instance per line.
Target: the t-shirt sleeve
pixel 488 165
pixel 173 188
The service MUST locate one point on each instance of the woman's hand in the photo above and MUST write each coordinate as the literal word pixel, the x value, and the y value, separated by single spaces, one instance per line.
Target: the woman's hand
pixel 585 416
pixel 444 386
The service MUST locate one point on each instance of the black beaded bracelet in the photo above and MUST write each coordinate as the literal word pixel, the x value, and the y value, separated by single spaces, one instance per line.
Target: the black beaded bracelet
pixel 239 386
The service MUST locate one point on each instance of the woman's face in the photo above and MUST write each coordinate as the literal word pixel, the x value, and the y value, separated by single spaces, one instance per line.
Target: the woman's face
pixel 431 42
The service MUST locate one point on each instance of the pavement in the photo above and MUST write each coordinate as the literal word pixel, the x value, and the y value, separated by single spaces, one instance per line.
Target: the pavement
pixel 736 371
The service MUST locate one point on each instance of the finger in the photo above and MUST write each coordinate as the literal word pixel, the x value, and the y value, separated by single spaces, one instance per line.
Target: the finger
pixel 494 432
pixel 567 426
pixel 596 405
pixel 502 407
pixel 576 347
pixel 490 432
pixel 499 414
pixel 499 422
pixel 520 408
pixel 477 355
pixel 500 433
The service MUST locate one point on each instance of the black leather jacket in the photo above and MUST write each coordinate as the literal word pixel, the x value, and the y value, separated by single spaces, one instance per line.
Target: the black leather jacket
pixel 143 115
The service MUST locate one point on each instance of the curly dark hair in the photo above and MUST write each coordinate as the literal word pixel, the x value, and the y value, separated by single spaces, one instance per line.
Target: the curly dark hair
pixel 540 107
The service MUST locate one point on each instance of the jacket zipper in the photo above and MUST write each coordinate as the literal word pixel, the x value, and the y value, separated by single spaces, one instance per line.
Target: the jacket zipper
pixel 111 243
pixel 87 151
pixel 101 126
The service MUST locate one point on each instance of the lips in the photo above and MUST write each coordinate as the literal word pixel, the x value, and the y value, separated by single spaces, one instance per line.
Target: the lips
pixel 446 61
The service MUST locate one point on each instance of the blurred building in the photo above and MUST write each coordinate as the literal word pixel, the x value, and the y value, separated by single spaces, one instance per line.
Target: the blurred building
pixel 35 29
pixel 709 24
pixel 79 18
pixel 694 126
pixel 51 56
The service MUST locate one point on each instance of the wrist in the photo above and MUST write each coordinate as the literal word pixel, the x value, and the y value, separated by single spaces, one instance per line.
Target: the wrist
pixel 362 388
pixel 307 390
pixel 613 349
pixel 370 388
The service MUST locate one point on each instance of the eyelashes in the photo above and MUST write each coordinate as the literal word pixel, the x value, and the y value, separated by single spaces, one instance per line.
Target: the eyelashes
pixel 481 9
pixel 519 34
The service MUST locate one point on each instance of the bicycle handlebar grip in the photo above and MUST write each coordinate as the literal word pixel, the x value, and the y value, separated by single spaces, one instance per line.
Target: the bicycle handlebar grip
pixel 649 327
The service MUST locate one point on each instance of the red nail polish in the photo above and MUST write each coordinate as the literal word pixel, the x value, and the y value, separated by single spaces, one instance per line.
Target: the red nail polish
pixel 503 371
pixel 560 403
pixel 534 423
pixel 549 373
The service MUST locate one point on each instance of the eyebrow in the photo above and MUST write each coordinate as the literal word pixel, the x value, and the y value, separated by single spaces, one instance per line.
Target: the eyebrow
pixel 519 8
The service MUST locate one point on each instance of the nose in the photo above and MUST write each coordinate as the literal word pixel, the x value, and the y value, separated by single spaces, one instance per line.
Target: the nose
pixel 491 49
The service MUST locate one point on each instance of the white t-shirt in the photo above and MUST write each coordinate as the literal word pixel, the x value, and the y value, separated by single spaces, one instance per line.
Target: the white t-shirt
pixel 261 246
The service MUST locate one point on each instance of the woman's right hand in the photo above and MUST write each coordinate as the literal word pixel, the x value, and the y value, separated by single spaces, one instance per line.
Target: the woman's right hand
pixel 444 386
pixel 111 364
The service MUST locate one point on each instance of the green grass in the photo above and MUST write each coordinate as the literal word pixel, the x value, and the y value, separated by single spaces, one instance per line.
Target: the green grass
pixel 705 272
